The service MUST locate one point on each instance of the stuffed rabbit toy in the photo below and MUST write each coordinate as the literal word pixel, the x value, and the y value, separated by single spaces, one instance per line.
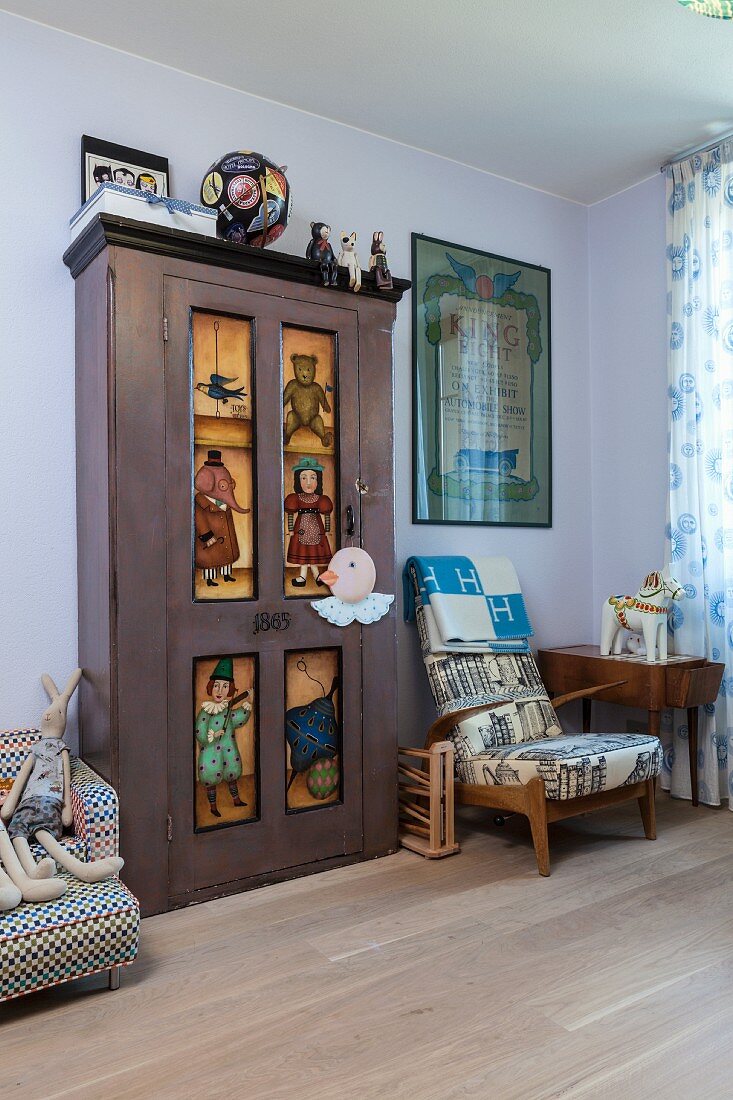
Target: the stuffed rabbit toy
pixel 39 803
pixel 17 886
pixel 10 894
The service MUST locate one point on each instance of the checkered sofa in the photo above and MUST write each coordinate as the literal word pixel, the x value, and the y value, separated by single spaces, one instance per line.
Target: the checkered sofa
pixel 92 927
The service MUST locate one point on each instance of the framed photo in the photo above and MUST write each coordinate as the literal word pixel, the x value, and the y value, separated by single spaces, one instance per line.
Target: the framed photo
pixel 482 444
pixel 104 162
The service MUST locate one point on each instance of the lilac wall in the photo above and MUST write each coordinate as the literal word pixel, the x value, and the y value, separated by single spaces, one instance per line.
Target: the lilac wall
pixel 80 87
pixel 626 243
pixel 628 371
pixel 608 408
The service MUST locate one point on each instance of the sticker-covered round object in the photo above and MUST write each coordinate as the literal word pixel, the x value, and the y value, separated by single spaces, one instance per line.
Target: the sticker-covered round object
pixel 246 189
pixel 323 778
pixel 351 574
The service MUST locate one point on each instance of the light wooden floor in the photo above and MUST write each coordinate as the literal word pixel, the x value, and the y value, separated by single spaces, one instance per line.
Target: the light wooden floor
pixel 470 977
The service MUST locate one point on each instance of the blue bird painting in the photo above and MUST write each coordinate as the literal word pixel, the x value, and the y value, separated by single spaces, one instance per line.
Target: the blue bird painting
pixel 483 285
pixel 216 388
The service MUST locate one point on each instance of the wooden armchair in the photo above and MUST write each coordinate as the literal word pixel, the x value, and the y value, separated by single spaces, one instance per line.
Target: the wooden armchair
pixel 531 798
pixel 510 751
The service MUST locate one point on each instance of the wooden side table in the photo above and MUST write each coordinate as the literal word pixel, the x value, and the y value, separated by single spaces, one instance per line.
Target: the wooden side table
pixel 680 681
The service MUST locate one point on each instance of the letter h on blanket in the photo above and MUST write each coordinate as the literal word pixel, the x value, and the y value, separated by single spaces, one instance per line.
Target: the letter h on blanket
pixel 470 604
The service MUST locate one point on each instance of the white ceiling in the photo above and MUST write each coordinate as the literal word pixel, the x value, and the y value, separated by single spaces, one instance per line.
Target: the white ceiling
pixel 581 98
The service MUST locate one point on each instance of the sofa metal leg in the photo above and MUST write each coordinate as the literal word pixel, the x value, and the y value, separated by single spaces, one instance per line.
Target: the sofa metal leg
pixel 537 814
pixel 649 811
pixel 114 977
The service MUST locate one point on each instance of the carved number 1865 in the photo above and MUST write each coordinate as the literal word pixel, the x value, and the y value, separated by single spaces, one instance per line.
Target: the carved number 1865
pixel 277 620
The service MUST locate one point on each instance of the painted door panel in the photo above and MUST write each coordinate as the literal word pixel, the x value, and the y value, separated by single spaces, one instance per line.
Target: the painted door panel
pixel 256 627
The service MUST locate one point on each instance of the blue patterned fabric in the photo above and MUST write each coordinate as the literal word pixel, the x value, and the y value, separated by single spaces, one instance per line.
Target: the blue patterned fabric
pixel 700 528
pixel 178 206
pixel 470 601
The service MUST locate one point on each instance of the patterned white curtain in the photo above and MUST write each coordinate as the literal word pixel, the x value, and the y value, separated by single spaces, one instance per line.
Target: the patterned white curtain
pixel 700 529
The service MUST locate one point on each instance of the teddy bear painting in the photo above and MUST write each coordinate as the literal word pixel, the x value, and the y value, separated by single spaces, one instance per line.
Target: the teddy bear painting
pixel 306 398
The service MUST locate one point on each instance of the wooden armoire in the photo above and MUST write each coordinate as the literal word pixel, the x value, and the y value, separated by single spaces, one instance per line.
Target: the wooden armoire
pixel 234 430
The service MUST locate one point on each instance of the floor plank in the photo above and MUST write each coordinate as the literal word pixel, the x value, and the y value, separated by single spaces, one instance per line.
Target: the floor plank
pixel 405 978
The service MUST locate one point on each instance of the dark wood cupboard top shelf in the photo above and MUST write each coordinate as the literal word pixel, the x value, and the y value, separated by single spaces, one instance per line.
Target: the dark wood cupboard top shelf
pixel 108 229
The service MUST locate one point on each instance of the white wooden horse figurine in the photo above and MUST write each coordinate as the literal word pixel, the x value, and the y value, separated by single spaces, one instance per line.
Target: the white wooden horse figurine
pixel 645 613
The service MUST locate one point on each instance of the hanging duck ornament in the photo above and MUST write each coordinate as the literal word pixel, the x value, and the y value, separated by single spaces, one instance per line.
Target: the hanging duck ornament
pixel 351 576
pixel 311 730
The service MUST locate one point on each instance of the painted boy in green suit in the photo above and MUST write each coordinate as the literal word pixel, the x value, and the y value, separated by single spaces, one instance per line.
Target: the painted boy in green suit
pixel 219 760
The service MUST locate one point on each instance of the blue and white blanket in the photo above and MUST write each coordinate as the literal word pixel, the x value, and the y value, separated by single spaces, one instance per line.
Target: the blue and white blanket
pixel 469 604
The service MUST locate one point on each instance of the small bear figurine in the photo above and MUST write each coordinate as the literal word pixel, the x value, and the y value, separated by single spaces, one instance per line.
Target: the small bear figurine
pixel 349 259
pixel 378 262
pixel 320 250
pixel 306 397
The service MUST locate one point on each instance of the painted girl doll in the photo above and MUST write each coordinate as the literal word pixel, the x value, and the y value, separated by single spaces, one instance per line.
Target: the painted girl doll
pixel 219 760
pixel 309 521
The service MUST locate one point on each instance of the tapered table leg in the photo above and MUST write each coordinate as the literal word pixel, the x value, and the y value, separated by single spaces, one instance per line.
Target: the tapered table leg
pixel 692 747
pixel 655 722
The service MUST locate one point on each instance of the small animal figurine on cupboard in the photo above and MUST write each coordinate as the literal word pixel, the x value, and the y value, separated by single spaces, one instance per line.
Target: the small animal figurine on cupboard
pixel 349 259
pixel 378 262
pixel 319 249
pixel 39 803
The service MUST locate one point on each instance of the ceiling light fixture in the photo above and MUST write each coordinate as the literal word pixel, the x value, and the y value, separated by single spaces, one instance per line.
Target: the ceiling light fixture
pixel 716 9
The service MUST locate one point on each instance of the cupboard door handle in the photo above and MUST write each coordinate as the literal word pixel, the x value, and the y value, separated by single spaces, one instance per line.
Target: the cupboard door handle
pixel 349 522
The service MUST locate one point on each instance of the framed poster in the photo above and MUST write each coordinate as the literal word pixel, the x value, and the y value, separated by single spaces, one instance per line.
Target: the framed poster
pixel 482 446
pixel 105 162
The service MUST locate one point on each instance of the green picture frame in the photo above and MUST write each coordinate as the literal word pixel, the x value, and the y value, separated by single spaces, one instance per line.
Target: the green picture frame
pixel 482 408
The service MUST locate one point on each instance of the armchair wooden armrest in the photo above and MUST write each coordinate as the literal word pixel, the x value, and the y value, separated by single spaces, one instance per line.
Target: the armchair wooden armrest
pixel 443 725
pixel 584 693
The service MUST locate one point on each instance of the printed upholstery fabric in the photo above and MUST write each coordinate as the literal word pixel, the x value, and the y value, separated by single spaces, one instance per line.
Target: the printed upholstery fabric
pixel 570 766
pixel 92 927
pixel 460 680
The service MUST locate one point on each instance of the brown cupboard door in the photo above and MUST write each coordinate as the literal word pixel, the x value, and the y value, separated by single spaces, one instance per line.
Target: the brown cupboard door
pixel 264 696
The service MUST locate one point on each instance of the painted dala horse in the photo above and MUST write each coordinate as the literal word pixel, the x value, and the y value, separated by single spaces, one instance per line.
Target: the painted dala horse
pixel 645 613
